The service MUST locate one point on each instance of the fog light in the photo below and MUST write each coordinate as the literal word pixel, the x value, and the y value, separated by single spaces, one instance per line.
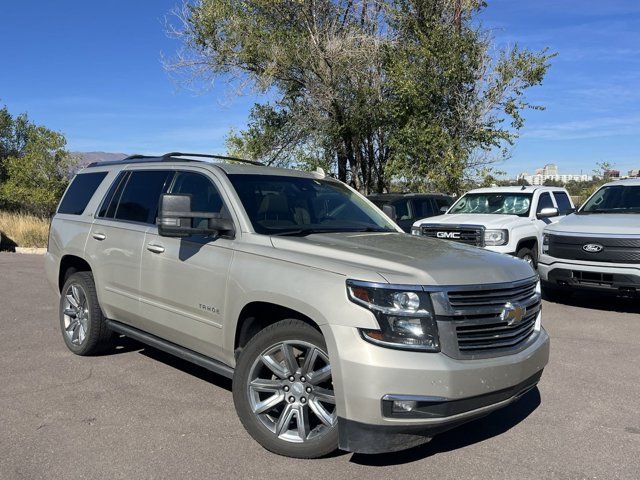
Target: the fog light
pixel 402 406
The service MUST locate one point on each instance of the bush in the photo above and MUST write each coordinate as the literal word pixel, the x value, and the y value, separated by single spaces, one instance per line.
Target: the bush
pixel 23 230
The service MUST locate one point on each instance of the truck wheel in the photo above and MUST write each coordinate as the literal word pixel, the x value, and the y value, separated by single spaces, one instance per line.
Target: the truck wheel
pixel 283 391
pixel 83 326
pixel 528 256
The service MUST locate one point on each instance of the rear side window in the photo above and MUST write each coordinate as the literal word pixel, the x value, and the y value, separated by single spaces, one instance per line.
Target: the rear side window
pixel 564 204
pixel 139 199
pixel 443 202
pixel 80 192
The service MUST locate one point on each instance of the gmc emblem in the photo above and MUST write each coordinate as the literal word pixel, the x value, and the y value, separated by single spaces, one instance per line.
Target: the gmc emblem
pixel 450 235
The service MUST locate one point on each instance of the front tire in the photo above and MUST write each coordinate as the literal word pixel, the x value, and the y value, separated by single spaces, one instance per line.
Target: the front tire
pixel 283 392
pixel 82 324
pixel 529 256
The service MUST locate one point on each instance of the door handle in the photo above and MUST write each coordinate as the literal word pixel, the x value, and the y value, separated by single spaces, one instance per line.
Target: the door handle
pixel 155 248
pixel 99 236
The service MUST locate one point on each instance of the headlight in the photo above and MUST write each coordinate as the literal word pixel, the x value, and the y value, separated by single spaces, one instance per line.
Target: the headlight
pixel 405 316
pixel 545 242
pixel 416 231
pixel 496 237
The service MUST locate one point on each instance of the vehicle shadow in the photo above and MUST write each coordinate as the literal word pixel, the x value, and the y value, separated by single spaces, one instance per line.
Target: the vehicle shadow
pixel 476 431
pixel 595 301
pixel 124 344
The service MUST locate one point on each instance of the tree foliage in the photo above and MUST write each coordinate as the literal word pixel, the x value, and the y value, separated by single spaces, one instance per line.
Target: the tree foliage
pixel 379 91
pixel 34 165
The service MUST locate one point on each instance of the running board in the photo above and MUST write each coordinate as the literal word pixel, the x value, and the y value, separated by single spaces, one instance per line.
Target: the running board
pixel 176 350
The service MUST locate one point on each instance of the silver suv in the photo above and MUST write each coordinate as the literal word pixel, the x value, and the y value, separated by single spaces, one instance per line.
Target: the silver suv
pixel 338 329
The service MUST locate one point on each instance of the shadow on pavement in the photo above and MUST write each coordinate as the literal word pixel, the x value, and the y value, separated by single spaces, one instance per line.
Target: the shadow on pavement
pixel 476 431
pixel 595 301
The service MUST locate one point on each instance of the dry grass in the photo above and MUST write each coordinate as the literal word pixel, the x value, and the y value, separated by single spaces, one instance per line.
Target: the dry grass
pixel 23 230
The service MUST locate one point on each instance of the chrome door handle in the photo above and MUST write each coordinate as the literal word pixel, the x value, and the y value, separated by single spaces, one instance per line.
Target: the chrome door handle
pixel 99 236
pixel 155 248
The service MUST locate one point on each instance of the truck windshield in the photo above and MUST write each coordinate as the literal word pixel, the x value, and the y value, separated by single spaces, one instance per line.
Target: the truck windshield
pixel 286 205
pixel 494 203
pixel 614 199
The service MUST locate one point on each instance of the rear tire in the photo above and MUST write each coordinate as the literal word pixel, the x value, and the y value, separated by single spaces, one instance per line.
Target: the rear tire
pixel 83 326
pixel 283 392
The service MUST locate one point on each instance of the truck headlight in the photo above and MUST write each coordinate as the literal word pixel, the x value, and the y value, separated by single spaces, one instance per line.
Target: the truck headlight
pixel 496 237
pixel 405 316
pixel 416 231
pixel 545 242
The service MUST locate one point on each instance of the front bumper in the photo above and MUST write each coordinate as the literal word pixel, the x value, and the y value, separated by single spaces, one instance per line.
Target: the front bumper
pixel 364 373
pixel 603 277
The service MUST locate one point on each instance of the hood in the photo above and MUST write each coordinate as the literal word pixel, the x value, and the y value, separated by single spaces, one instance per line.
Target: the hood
pixel 598 224
pixel 487 220
pixel 402 258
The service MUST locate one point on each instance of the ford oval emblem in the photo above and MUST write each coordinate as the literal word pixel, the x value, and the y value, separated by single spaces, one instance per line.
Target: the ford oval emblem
pixel 592 248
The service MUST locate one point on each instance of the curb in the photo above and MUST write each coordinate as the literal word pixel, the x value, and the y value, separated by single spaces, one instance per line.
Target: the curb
pixel 31 250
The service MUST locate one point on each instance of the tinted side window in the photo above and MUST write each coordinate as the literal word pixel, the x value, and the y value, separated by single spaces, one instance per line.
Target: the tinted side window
pixel 403 211
pixel 139 200
pixel 443 202
pixel 204 195
pixel 564 204
pixel 110 202
pixel 424 208
pixel 544 202
pixel 80 192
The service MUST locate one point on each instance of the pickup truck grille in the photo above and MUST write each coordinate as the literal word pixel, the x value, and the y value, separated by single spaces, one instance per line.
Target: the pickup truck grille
pixel 469 234
pixel 611 249
pixel 473 325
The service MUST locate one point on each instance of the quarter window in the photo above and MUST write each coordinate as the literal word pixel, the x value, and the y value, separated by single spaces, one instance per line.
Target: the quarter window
pixel 564 204
pixel 80 192
pixel 140 196
pixel 544 202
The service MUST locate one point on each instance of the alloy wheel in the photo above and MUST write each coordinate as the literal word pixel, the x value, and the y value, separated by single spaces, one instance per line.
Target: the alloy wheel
pixel 76 314
pixel 291 393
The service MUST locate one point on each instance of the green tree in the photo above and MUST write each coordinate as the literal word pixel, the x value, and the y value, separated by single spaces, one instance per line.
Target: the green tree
pixel 381 91
pixel 36 166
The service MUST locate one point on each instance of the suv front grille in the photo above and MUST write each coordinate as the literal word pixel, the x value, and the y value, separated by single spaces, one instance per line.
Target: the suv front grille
pixel 471 320
pixel 472 338
pixel 469 234
pixel 613 249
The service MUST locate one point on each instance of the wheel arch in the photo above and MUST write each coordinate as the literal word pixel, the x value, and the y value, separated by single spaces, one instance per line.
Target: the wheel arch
pixel 259 314
pixel 528 242
pixel 70 264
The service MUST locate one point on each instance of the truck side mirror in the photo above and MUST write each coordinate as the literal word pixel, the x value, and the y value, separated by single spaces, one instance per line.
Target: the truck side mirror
pixel 548 212
pixel 175 218
pixel 390 211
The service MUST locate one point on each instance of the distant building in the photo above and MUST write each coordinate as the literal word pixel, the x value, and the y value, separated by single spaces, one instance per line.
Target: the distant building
pixel 611 173
pixel 550 172
pixel 634 173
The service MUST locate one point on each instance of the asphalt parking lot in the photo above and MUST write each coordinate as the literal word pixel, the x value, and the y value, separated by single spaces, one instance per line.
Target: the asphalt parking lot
pixel 138 413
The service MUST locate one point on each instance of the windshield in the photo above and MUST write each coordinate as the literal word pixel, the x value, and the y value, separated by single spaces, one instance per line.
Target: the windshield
pixel 494 203
pixel 283 205
pixel 614 199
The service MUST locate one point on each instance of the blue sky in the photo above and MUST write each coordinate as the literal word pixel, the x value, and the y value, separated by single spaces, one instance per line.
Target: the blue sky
pixel 93 71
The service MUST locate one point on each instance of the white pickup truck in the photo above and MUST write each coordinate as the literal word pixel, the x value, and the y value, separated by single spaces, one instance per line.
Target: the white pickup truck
pixel 502 219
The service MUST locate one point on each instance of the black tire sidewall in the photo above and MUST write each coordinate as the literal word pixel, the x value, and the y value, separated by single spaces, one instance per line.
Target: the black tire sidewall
pixel 523 252
pixel 95 336
pixel 278 332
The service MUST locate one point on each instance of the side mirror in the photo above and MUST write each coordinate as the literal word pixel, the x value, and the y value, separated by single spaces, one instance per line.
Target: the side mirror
pixel 390 211
pixel 548 212
pixel 175 219
pixel 444 209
